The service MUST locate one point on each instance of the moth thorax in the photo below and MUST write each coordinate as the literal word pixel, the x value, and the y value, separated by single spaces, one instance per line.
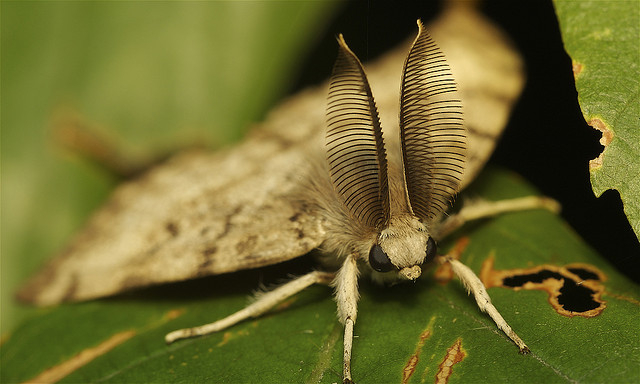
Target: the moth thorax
pixel 403 246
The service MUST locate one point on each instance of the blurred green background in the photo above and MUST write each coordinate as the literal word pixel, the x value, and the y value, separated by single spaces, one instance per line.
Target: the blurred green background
pixel 150 76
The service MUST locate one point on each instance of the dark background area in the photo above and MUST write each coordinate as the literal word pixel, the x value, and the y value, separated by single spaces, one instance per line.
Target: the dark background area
pixel 547 140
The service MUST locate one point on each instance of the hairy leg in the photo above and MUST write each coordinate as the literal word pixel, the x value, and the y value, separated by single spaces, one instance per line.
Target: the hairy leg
pixel 484 209
pixel 473 285
pixel 264 303
pixel 346 292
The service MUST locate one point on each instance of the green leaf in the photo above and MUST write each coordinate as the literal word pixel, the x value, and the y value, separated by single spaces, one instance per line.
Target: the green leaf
pixel 602 40
pixel 153 75
pixel 301 340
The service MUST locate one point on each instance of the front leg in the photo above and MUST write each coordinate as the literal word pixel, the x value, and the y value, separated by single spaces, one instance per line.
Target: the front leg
pixel 346 291
pixel 474 285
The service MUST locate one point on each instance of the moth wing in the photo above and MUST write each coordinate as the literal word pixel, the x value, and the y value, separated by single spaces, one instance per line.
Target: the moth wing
pixel 199 214
pixel 490 75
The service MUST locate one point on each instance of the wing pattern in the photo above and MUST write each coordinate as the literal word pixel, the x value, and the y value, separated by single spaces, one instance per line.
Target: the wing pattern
pixel 199 214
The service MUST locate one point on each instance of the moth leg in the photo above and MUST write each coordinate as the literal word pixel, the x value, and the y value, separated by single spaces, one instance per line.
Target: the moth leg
pixel 83 138
pixel 264 303
pixel 484 209
pixel 473 284
pixel 346 291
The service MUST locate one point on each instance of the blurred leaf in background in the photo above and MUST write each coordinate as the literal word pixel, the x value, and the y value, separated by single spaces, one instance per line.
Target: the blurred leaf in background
pixel 603 40
pixel 153 75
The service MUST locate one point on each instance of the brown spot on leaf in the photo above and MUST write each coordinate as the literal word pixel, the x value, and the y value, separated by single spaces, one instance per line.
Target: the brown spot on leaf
pixel 574 289
pixel 174 314
pixel 625 298
pixel 227 336
pixel 577 69
pixel 596 163
pixel 607 133
pixel 410 366
pixel 4 338
pixel 605 140
pixel 85 356
pixel 225 339
pixel 455 354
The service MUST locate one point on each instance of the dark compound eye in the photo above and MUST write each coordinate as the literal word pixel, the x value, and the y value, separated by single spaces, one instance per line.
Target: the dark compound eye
pixel 379 260
pixel 432 249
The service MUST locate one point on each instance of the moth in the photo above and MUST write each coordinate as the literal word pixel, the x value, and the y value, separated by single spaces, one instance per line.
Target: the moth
pixel 373 207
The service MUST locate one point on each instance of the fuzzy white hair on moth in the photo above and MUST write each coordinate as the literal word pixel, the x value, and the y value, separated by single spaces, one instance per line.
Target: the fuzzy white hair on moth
pixel 375 206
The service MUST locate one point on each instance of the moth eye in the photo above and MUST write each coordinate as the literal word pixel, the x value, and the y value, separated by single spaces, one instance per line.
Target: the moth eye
pixel 379 260
pixel 432 249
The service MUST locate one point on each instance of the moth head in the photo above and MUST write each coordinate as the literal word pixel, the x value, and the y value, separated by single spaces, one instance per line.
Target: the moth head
pixel 404 246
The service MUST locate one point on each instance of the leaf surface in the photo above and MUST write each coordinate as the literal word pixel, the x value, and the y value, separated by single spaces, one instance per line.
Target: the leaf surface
pixel 602 40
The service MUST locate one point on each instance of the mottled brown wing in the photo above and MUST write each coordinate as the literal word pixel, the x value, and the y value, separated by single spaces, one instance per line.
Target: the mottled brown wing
pixel 199 214
pixel 488 71
pixel 490 76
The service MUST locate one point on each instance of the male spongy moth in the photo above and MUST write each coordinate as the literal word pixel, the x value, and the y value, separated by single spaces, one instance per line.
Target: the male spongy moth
pixel 375 204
